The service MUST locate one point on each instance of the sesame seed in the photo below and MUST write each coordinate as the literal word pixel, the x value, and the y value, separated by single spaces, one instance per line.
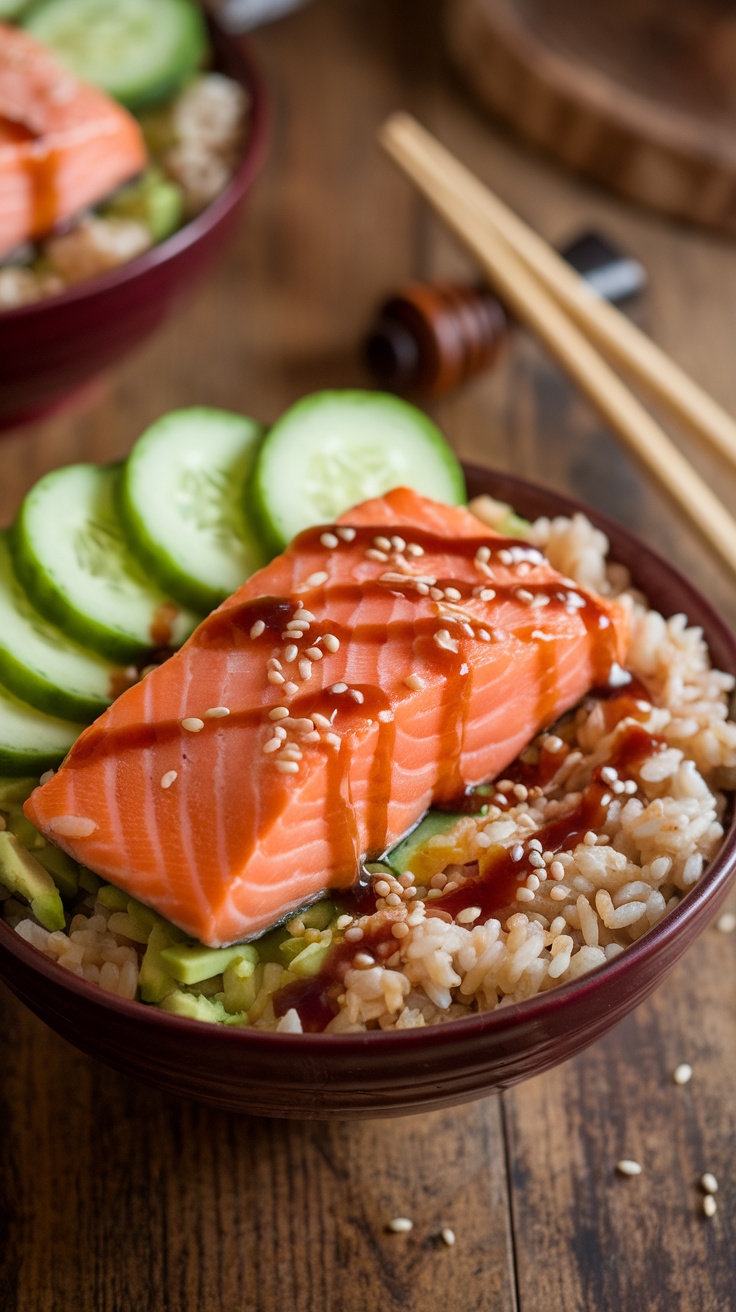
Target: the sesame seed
pixel 710 1207
pixel 290 689
pixel 192 724
pixel 553 744
pixel 305 668
pixel 398 544
pixel 400 930
pixel 381 888
pixel 273 664
pixel 347 534
pixel 331 642
pixel 305 725
pixel 484 635
pixel 296 628
pixel 521 792
pixel 526 894
pixel 487 594
pixel 590 839
pixel 627 1166
pixel 275 676
pixel 726 923
pixel 448 1236
pixel 272 745
pixel 329 540
pixel 339 687
pixel 533 882
pixel 683 1073
pixel 354 935
pixel 47 774
pixel 363 961
pixel 559 893
pixel 482 839
pixel 313 653
pixel 483 554
pixel 413 549
pixel 383 544
pixel 279 731
pixel 287 767
pixel 505 557
pixel 343 922
pixel 443 639
pixel 291 752
pixel 708 1183
pixel 468 915
pixel 332 739
pixel 278 713
pixel 526 597
pixel 304 616
pixel 415 682
pixel 517 852
pixel 290 653
pixel 356 695
pixel 312 737
pixel 316 580
pixel 401 1225
pixel 257 629
pixel 534 845
pixel 168 779
pixel 321 721
pixel 452 594
pixel 536 860
pixel 557 870
pixel 373 554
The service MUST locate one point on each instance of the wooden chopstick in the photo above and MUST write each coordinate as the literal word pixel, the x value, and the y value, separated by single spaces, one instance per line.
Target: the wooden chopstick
pixel 620 339
pixel 425 162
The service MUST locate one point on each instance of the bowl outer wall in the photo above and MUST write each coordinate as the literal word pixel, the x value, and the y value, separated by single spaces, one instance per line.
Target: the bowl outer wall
pixel 53 347
pixel 374 1074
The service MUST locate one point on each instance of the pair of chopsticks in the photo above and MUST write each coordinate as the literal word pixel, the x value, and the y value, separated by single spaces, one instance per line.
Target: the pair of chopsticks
pixel 548 296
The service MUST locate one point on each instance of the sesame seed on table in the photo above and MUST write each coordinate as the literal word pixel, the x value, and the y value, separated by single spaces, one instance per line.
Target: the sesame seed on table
pixel 114 1196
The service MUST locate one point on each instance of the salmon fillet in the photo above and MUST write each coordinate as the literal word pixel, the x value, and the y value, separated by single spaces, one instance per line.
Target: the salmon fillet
pixel 64 145
pixel 375 667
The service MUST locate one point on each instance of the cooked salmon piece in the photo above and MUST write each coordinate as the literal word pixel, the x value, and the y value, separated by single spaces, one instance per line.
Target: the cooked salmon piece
pixel 377 666
pixel 64 145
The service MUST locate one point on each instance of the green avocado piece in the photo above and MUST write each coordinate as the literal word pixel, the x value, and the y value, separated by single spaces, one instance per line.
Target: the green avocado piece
pixel 25 832
pixel 16 790
pixel 155 981
pixel 22 874
pixel 190 963
pixel 113 898
pixel 63 871
pixel 241 983
pixel 310 960
pixel 435 822
pixel 153 199
pixel 193 1007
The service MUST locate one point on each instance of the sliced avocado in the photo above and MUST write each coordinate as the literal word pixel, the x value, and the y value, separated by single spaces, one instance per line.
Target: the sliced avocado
pixel 400 858
pixel 189 963
pixel 16 790
pixel 63 871
pixel 155 981
pixel 22 874
pixel 113 898
pixel 152 199
pixel 25 832
pixel 310 960
pixel 193 1007
pixel 319 915
pixel 241 984
pixel 89 881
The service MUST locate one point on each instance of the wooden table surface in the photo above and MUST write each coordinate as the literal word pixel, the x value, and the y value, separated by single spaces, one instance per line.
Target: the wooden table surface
pixel 114 1198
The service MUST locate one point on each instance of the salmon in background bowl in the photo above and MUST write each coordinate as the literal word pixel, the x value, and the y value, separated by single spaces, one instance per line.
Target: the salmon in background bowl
pixel 51 347
pixel 376 1072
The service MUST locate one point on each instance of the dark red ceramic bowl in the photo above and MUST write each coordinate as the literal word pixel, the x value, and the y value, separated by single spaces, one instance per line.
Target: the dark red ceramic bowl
pixel 50 349
pixel 384 1074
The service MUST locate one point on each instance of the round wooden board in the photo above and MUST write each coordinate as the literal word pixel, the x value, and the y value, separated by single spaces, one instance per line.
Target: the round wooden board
pixel 638 94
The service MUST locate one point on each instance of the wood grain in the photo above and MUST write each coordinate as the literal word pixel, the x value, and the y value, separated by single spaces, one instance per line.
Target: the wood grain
pixel 115 1199
pixel 637 94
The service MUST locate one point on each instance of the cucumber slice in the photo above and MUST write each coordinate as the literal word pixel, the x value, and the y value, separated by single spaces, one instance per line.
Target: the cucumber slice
pixel 136 50
pixel 71 556
pixel 40 665
pixel 12 8
pixel 335 449
pixel 181 503
pixel 31 742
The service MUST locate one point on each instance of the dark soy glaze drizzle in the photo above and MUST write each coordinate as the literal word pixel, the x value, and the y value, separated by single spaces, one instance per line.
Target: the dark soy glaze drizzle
pixel 316 999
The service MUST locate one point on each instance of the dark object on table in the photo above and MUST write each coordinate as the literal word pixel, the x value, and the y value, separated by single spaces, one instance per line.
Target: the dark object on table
pixel 637 96
pixel 430 338
pixel 388 1073
pixel 54 347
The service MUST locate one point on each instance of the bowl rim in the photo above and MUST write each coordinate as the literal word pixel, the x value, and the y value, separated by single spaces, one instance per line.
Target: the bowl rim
pixel 249 76
pixel 505 1017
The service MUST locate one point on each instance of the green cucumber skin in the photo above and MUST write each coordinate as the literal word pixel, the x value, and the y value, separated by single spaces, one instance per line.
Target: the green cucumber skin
pixel 257 495
pixel 55 607
pixel 18 763
pixel 53 604
pixel 31 687
pixel 162 566
pixel 192 44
